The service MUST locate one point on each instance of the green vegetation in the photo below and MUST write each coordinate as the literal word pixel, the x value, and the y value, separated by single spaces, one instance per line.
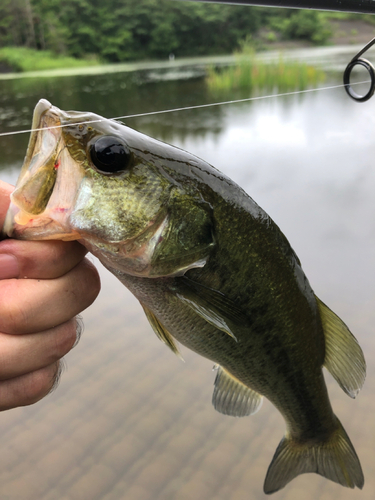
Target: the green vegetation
pixel 26 59
pixel 251 73
pixel 129 30
pixel 126 30
pixel 348 16
pixel 304 25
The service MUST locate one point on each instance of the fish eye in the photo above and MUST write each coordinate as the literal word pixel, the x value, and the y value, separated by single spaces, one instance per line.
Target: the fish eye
pixel 110 155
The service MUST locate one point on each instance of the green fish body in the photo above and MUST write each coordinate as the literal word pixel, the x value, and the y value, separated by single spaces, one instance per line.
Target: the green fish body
pixel 211 270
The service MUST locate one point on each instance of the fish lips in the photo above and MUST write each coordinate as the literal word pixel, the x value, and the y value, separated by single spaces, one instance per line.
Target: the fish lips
pixel 44 195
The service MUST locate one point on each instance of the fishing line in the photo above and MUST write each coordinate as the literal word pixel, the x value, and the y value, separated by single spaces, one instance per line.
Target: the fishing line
pixel 198 106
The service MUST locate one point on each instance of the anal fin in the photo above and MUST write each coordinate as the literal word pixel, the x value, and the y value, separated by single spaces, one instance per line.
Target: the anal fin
pixel 344 358
pixel 233 398
pixel 161 332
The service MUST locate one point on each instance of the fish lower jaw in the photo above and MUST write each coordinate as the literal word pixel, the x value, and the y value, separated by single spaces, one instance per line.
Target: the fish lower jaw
pixel 43 233
pixel 46 226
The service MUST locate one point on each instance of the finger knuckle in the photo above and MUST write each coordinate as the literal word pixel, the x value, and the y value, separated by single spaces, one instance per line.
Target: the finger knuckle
pixel 29 388
pixel 38 384
pixel 91 280
pixel 65 253
pixel 65 338
pixel 13 312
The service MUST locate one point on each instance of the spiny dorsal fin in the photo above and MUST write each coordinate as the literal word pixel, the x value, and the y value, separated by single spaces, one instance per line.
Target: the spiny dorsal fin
pixel 161 332
pixel 344 358
pixel 212 305
pixel 231 397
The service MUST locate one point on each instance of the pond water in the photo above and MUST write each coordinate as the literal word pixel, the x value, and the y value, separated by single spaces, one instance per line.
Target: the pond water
pixel 129 420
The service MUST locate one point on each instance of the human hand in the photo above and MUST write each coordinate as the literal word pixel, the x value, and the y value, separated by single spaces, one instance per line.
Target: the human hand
pixel 43 286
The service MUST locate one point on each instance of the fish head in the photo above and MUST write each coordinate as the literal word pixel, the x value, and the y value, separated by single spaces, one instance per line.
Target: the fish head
pixel 115 190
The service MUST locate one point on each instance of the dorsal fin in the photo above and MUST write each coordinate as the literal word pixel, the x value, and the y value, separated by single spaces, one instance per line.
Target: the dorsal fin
pixel 231 397
pixel 344 358
pixel 161 331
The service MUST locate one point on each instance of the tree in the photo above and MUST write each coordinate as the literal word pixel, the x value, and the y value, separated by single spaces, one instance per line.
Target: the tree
pixel 123 30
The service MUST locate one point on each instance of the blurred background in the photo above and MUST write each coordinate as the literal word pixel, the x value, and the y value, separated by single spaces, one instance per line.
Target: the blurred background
pixel 129 420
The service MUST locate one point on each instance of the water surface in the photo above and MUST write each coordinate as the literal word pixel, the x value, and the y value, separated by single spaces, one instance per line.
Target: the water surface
pixel 131 421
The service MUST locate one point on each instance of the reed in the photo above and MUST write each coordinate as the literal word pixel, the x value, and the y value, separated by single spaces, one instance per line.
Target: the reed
pixel 251 73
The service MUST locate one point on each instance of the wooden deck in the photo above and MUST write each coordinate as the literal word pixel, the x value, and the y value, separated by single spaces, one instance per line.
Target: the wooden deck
pixel 130 421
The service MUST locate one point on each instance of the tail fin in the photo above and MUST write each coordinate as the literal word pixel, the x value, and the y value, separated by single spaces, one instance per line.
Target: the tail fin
pixel 334 459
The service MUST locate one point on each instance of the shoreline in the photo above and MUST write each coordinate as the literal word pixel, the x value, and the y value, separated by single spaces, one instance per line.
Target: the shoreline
pixel 348 36
pixel 325 56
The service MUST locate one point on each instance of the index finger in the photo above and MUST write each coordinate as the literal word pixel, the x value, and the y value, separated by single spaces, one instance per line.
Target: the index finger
pixel 39 259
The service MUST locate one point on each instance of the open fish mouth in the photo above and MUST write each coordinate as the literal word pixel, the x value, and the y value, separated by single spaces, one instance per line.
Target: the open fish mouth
pixel 46 189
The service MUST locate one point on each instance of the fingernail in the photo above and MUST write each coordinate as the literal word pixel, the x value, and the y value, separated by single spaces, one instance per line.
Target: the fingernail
pixel 8 267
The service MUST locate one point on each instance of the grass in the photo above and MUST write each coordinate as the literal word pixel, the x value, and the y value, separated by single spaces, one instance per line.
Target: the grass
pixel 251 73
pixel 19 59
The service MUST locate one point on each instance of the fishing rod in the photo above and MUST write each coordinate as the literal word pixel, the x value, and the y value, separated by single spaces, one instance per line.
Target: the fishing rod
pixel 355 6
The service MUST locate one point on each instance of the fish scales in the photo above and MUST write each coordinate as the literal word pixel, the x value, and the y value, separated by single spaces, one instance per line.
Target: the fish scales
pixel 211 270
pixel 297 398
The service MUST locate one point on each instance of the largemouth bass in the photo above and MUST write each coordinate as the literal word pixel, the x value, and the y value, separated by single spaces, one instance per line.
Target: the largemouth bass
pixel 210 268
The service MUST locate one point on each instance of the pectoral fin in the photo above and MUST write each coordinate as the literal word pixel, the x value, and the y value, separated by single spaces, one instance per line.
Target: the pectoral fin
pixel 231 397
pixel 344 358
pixel 161 331
pixel 212 305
